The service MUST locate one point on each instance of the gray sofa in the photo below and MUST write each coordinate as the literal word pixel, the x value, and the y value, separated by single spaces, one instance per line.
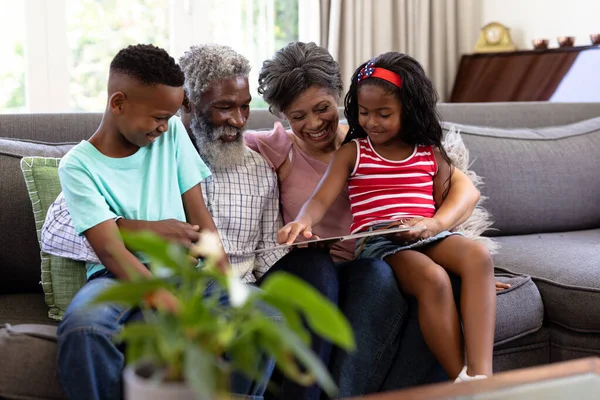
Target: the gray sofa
pixel 546 209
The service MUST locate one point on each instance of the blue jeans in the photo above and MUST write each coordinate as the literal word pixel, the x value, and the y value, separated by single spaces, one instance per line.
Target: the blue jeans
pixel 391 353
pixel 90 364
pixel 316 268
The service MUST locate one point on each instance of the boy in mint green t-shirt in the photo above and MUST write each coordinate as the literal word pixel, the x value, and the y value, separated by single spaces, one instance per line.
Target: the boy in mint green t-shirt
pixel 139 165
pixel 145 186
pixel 139 170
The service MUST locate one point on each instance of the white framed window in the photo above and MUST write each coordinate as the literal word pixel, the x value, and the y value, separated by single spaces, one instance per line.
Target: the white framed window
pixel 57 52
pixel 12 67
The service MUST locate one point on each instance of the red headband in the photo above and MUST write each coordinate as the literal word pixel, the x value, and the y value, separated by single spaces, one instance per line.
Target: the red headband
pixel 370 71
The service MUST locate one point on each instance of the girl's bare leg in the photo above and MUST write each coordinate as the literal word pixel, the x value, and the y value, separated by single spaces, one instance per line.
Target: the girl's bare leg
pixel 421 277
pixel 473 263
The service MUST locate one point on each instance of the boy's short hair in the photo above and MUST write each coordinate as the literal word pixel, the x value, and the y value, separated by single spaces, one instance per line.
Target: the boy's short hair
pixel 148 64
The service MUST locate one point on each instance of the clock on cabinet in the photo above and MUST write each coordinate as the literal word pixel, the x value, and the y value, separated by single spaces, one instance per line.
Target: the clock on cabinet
pixel 494 37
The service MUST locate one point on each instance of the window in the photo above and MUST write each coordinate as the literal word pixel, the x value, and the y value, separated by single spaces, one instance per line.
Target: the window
pixel 12 67
pixel 96 31
pixel 59 50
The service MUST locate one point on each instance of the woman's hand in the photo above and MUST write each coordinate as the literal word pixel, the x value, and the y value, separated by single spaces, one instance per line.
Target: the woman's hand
pixel 501 286
pixel 432 228
pixel 290 232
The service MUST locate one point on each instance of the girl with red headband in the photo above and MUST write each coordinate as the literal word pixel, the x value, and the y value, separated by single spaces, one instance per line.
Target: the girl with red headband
pixel 398 173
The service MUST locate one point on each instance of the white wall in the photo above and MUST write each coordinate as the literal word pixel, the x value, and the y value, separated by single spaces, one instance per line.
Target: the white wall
pixel 544 19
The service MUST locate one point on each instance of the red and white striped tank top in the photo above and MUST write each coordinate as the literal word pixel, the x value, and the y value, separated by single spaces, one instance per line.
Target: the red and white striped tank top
pixel 383 190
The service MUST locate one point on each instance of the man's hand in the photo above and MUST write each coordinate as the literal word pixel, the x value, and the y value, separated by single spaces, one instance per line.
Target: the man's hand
pixel 290 232
pixel 432 228
pixel 501 286
pixel 163 300
pixel 168 229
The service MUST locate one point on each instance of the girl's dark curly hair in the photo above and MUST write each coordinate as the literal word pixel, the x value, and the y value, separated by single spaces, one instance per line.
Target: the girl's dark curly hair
pixel 417 97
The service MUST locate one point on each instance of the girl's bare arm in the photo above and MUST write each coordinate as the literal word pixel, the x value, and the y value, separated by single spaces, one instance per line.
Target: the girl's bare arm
pixel 461 199
pixel 329 188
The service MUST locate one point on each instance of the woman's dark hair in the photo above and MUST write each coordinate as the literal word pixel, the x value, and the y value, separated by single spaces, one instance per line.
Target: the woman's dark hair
pixel 295 68
pixel 418 98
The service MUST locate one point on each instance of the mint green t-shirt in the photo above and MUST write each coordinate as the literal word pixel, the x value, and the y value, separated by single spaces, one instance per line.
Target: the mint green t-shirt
pixel 144 186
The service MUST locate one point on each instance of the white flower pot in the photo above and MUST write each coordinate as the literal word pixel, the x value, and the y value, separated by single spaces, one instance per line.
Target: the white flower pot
pixel 138 386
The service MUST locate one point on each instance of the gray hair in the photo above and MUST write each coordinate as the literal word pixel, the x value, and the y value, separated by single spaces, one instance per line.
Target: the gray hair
pixel 207 63
pixel 295 68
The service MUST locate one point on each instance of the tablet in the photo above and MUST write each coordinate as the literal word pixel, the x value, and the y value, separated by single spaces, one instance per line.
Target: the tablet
pixel 397 229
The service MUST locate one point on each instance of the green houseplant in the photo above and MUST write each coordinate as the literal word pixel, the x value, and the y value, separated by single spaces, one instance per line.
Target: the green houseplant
pixel 192 353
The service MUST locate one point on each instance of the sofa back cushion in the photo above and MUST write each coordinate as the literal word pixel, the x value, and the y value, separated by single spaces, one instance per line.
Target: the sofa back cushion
pixel 538 180
pixel 19 249
pixel 61 277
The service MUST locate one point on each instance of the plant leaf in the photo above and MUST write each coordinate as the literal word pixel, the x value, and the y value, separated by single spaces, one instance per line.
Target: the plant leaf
pixel 244 355
pixel 279 338
pixel 162 252
pixel 292 318
pixel 201 371
pixel 286 362
pixel 130 293
pixel 322 316
pixel 138 330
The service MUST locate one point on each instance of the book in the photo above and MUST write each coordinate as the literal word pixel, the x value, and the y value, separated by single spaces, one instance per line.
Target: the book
pixel 330 240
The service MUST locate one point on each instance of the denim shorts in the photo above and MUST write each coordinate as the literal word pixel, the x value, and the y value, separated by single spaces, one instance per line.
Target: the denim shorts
pixel 381 247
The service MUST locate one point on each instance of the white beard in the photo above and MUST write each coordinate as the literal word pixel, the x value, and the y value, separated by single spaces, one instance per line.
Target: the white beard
pixel 215 152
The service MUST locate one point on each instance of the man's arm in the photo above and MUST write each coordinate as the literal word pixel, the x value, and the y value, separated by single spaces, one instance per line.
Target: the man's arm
pixel 59 237
pixel 269 225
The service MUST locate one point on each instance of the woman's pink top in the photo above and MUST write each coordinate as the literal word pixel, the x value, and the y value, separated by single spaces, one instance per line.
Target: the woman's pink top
pixel 296 188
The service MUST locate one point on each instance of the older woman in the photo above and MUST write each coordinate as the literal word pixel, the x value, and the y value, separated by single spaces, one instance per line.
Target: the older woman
pixel 302 83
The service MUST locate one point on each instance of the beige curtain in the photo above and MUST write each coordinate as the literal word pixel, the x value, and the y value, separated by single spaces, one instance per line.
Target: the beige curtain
pixel 435 32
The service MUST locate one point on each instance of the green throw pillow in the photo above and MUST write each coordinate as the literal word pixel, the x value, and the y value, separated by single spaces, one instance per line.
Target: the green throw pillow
pixel 61 277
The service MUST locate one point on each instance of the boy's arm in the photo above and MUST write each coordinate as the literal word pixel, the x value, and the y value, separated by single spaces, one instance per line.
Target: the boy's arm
pixel 168 229
pixel 93 218
pixel 59 237
pixel 108 245
pixel 329 188
pixel 196 212
pixel 191 170
pixel 106 240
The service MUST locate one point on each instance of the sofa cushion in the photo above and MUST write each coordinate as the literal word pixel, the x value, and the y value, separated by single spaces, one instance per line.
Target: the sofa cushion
pixel 519 309
pixel 61 277
pixel 19 252
pixel 565 269
pixel 28 368
pixel 480 220
pixel 24 308
pixel 568 345
pixel 538 180
pixel 528 351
